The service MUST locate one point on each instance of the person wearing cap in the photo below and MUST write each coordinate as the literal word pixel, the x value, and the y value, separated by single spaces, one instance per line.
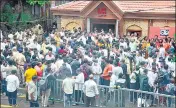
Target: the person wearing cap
pixel 32 92
pixel 12 87
pixel 91 92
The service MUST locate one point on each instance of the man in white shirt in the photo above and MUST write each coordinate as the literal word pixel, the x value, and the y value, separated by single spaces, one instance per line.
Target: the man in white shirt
pixel 12 86
pixel 116 70
pixel 162 51
pixel 152 75
pixel 112 80
pixel 78 85
pixel 90 90
pixel 133 45
pixel 67 86
pixel 59 63
pixel 32 92
pixel 124 44
pixel 49 56
pixel 3 76
pixel 97 70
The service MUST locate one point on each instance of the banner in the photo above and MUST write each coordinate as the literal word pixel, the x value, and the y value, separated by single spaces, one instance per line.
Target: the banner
pixel 162 32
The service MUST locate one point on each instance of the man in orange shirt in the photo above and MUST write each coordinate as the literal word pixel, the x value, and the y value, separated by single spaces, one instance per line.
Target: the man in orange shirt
pixel 105 76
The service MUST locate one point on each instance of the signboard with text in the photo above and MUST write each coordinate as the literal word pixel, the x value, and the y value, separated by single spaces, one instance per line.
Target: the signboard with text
pixel 162 32
pixel 101 12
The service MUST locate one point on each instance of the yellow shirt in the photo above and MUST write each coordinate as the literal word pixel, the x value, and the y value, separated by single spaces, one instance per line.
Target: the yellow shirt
pixel 44 48
pixel 29 74
pixel 57 39
pixel 147 45
pixel 43 67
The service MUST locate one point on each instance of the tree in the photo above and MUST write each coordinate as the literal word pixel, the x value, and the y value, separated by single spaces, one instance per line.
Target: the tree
pixel 40 2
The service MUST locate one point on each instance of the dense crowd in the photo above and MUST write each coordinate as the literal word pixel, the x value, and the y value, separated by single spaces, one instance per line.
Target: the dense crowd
pixel 96 58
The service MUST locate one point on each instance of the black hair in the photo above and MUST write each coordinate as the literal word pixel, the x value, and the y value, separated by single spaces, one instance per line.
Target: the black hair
pixel 145 71
pixel 13 72
pixel 161 45
pixel 120 75
pixel 10 62
pixel 34 77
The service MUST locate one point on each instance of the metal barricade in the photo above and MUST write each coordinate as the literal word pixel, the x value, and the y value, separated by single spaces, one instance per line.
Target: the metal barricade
pixel 121 97
pixel 112 97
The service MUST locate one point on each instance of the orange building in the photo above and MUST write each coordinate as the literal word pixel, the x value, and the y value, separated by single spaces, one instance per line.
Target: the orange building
pixel 145 18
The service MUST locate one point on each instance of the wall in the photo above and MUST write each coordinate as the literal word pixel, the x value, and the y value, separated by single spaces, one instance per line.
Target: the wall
pixel 141 23
pixel 162 23
pixel 70 22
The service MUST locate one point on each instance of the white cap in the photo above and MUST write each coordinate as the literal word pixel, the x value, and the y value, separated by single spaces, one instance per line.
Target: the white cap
pixel 91 76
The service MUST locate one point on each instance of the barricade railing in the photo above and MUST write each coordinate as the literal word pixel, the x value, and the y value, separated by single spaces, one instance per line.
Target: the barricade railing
pixel 118 97
pixel 112 97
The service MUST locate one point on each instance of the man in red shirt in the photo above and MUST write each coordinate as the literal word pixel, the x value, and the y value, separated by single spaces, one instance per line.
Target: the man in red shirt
pixel 62 50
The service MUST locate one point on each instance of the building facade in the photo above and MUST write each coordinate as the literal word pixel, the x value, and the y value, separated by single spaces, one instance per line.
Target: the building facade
pixel 142 18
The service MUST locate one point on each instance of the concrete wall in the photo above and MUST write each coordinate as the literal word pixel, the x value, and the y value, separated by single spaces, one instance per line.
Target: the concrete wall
pixel 70 22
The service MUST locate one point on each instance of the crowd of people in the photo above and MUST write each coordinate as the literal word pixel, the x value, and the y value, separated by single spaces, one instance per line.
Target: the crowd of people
pixel 96 58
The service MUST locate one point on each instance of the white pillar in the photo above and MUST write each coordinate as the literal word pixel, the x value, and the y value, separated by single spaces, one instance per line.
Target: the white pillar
pixel 88 25
pixel 117 28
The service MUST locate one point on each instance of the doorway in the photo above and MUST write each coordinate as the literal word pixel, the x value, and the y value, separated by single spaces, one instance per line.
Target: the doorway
pixel 134 33
pixel 105 27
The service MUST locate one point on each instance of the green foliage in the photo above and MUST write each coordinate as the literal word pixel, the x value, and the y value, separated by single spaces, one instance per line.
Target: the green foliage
pixel 6 12
pixel 40 2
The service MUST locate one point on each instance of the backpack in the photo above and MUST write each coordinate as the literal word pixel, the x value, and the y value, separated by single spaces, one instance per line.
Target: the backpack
pixel 43 83
pixel 64 71
pixel 145 85
pixel 137 80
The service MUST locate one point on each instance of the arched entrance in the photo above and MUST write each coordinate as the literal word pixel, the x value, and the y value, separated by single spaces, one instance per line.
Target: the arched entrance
pixel 134 30
pixel 70 25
